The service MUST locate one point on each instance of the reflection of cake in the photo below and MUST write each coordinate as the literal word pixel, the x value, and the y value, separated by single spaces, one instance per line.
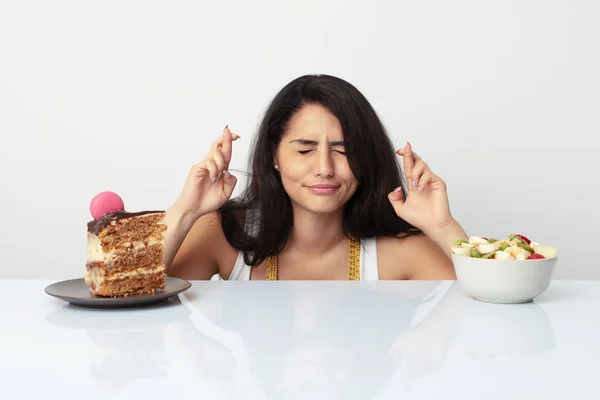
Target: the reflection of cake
pixel 125 250
pixel 120 356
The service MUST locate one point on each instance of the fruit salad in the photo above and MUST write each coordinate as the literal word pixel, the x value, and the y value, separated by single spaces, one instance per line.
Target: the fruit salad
pixel 517 247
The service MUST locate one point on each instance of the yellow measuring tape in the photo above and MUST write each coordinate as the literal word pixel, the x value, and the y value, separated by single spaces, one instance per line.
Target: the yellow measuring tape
pixel 353 263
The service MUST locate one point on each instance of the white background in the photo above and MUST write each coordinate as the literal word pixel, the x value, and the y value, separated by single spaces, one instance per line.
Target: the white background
pixel 500 98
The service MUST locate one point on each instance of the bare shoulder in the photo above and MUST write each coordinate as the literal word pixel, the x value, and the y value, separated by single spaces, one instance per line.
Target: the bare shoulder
pixel 204 252
pixel 414 257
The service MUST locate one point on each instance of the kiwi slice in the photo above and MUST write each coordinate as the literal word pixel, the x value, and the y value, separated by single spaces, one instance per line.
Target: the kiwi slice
pixel 475 253
pixel 525 246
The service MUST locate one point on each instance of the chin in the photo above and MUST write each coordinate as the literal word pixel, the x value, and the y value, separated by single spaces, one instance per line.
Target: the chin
pixel 323 210
pixel 321 207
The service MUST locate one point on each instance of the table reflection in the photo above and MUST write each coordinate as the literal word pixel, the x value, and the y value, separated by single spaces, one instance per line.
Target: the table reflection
pixel 323 340
pixel 503 330
pixel 124 344
pixel 369 340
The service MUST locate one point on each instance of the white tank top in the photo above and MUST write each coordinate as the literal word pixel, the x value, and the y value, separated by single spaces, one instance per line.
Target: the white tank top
pixel 369 267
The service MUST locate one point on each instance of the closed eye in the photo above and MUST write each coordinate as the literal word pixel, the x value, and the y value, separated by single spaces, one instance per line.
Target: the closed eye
pixel 308 151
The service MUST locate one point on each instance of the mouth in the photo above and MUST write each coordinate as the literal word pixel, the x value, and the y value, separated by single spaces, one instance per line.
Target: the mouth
pixel 323 189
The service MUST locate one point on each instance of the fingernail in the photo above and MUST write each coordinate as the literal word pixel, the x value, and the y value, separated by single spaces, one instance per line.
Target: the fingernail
pixel 213 179
pixel 226 126
pixel 414 184
pixel 226 173
pixel 421 189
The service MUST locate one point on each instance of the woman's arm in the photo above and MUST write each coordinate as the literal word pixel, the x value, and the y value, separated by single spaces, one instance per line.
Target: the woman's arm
pixel 415 257
pixel 190 245
pixel 445 236
pixel 179 224
pixel 194 236
pixel 426 204
pixel 427 261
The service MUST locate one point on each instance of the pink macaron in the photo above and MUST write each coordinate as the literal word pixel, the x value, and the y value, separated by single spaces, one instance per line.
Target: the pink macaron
pixel 104 203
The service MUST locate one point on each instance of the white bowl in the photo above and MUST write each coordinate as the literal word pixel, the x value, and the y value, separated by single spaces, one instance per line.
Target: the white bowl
pixel 504 281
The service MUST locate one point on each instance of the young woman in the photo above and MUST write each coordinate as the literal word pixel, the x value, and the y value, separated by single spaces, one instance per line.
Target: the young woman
pixel 326 199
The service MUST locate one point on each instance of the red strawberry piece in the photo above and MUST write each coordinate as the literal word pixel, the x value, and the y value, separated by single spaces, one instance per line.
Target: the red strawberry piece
pixel 485 238
pixel 535 256
pixel 524 238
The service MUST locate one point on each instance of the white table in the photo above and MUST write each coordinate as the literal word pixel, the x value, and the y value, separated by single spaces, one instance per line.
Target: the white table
pixel 303 340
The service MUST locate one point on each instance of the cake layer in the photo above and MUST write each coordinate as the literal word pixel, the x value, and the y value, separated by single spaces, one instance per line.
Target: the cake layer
pixel 129 256
pixel 123 231
pixel 96 252
pixel 115 217
pixel 140 280
pixel 142 284
pixel 97 272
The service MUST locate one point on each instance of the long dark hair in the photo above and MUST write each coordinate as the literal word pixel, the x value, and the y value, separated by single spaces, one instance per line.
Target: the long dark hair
pixel 370 154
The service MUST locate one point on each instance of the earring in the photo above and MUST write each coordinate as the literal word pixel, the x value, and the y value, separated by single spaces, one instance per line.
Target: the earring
pixel 277 167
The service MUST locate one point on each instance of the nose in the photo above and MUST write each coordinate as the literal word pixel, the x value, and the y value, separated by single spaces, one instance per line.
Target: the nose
pixel 324 164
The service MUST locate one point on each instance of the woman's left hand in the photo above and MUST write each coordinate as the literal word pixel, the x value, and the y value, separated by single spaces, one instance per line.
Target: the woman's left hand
pixel 426 204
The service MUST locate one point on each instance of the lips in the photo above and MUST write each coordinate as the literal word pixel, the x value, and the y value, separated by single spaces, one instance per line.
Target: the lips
pixel 323 188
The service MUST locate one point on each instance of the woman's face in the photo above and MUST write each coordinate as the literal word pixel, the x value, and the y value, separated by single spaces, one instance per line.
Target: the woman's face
pixel 312 162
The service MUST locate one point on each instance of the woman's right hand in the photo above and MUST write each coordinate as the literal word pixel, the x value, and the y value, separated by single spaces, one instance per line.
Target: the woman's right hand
pixel 209 184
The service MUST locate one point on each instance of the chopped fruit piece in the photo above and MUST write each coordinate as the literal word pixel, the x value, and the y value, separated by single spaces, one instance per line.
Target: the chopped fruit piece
pixel 486 239
pixel 546 251
pixel 524 238
pixel 461 251
pixel 502 255
pixel 535 256
pixel 475 253
pixel 517 240
pixel 504 246
pixel 492 240
pixel 526 247
pixel 522 243
pixel 518 252
pixel 460 241
pixel 475 240
pixel 489 255
pixel 488 247
pixel 522 256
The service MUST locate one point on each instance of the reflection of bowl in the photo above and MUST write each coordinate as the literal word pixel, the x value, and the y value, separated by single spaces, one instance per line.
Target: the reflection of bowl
pixel 504 330
pixel 503 281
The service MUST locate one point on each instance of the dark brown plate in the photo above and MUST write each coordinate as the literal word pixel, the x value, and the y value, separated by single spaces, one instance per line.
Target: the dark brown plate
pixel 76 292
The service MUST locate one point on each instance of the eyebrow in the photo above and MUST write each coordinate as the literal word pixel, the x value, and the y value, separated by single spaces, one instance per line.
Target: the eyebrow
pixel 314 143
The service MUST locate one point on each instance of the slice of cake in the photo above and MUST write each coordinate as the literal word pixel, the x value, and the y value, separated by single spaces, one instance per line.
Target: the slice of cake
pixel 125 249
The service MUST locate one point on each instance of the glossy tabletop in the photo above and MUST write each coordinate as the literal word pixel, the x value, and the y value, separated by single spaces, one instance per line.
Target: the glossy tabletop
pixel 303 340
